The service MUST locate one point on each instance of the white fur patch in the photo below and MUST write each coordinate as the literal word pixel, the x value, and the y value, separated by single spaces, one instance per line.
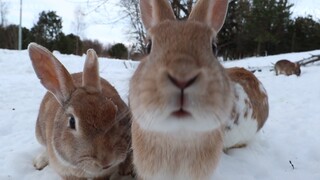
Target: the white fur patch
pixel 262 89
pixel 160 120
pixel 41 160
pixel 240 134
pixel 203 116
pixel 243 127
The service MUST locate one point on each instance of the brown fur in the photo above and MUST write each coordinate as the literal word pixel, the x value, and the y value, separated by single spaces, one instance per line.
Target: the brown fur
pixel 147 87
pixel 287 67
pixel 173 54
pixel 258 99
pixel 182 72
pixel 102 135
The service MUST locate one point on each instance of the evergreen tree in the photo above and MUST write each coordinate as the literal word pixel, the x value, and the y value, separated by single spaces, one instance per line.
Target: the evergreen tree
pixel 48 29
pixel 267 24
pixel 11 37
pixel 306 34
pixel 26 38
pixel 118 51
pixel 233 44
pixel 68 44
pixel 95 44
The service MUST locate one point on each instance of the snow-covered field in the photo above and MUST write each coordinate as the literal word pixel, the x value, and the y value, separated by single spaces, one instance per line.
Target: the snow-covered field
pixel 288 147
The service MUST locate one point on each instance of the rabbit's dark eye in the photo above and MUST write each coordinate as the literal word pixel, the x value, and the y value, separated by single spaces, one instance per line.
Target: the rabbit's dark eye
pixel 149 45
pixel 72 123
pixel 214 48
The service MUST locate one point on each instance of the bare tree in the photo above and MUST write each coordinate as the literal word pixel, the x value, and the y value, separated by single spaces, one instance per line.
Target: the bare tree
pixel 4 10
pixel 182 8
pixel 79 25
pixel 104 11
pixel 131 10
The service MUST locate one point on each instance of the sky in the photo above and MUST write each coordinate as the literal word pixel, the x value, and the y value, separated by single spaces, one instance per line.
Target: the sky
pixel 102 26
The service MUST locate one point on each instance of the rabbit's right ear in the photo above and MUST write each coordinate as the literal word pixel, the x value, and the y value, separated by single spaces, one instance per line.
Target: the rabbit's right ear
pixel 155 11
pixel 53 75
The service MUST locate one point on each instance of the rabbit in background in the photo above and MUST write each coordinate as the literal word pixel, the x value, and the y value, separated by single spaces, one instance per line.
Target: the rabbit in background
pixel 287 68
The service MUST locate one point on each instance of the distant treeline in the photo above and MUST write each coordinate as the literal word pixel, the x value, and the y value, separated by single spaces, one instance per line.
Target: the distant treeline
pixel 252 28
pixel 257 27
pixel 48 32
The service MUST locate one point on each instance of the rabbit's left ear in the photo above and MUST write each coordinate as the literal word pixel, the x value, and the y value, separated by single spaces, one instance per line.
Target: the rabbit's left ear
pixel 90 76
pixel 155 11
pixel 210 12
pixel 53 75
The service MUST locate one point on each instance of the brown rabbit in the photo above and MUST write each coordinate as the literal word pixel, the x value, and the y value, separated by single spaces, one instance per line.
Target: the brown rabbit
pixel 250 110
pixel 82 121
pixel 287 67
pixel 184 103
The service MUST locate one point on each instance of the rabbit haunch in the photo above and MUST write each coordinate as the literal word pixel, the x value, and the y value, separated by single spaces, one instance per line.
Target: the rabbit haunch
pixel 82 122
pixel 250 109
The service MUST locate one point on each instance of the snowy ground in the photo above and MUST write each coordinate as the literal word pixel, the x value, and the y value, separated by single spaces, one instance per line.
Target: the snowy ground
pixel 291 134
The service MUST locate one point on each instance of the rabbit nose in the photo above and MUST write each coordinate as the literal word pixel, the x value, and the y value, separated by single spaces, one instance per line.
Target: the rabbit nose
pixel 182 84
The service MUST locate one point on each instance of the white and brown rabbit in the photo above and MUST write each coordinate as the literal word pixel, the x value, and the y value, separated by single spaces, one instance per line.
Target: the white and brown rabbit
pixel 287 68
pixel 82 122
pixel 250 109
pixel 185 105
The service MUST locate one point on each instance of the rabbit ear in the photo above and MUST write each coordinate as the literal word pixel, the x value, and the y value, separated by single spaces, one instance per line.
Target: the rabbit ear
pixel 155 11
pixel 211 12
pixel 52 74
pixel 90 77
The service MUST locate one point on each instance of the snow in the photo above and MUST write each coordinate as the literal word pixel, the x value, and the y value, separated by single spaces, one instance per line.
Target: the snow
pixel 291 134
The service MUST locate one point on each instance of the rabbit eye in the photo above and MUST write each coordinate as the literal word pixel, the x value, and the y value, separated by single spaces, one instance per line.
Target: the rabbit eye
pixel 214 48
pixel 72 123
pixel 149 45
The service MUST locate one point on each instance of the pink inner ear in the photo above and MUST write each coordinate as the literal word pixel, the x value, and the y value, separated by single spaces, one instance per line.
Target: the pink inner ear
pixel 212 13
pixel 146 13
pixel 154 12
pixel 53 75
pixel 218 14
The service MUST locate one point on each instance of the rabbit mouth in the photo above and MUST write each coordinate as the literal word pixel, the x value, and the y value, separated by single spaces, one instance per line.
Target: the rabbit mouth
pixel 106 167
pixel 181 113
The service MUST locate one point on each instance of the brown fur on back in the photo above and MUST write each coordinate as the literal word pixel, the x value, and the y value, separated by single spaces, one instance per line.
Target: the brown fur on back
pixel 256 94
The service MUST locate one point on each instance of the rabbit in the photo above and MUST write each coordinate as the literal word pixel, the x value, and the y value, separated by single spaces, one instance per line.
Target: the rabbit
pixel 83 123
pixel 182 99
pixel 287 68
pixel 250 110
